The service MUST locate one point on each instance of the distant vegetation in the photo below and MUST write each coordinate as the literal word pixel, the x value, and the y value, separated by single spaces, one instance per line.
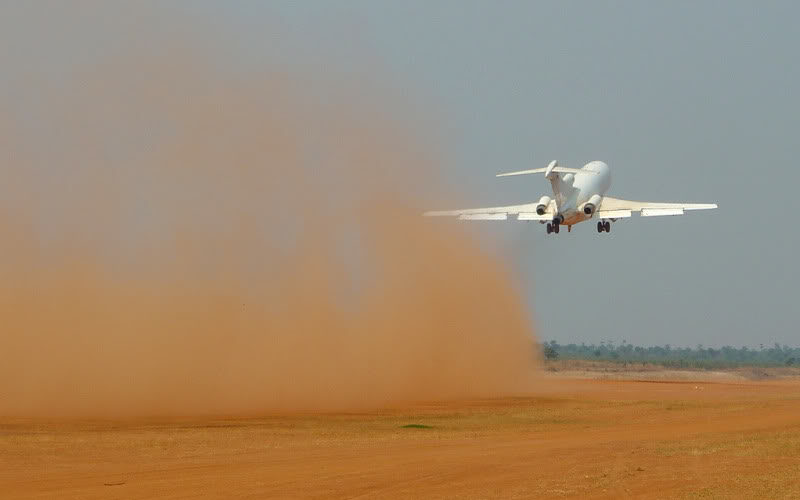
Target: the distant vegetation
pixel 676 357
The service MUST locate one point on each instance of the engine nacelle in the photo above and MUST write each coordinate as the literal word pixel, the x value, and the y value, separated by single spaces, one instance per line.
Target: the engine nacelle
pixel 590 206
pixel 541 207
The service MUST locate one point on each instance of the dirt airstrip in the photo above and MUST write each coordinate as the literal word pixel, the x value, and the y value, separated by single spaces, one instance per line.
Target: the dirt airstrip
pixel 579 438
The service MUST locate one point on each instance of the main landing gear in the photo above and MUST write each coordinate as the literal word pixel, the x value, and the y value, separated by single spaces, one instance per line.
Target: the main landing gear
pixel 553 227
pixel 603 226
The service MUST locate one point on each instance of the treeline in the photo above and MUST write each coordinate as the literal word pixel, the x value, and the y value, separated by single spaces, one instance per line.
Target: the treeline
pixel 679 357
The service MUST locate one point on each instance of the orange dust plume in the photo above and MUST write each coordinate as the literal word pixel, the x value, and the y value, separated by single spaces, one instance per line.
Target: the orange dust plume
pixel 182 237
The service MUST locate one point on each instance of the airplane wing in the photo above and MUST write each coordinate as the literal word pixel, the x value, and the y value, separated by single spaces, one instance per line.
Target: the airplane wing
pixel 613 208
pixel 523 212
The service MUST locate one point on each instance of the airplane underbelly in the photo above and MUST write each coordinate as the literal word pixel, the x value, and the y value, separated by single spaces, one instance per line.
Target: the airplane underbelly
pixel 573 217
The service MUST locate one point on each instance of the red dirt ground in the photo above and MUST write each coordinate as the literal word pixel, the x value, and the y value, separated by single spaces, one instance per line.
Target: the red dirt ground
pixel 576 438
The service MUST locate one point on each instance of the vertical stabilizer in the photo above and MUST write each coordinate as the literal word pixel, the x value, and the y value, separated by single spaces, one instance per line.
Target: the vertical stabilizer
pixel 560 187
pixel 548 172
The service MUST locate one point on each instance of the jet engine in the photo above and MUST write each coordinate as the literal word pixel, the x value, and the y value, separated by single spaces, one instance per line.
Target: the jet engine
pixel 590 206
pixel 541 207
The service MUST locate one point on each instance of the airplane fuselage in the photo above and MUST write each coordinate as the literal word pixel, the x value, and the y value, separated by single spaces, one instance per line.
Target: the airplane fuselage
pixel 572 192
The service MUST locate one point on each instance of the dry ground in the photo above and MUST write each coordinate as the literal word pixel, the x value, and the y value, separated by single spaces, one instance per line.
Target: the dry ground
pixel 578 368
pixel 578 438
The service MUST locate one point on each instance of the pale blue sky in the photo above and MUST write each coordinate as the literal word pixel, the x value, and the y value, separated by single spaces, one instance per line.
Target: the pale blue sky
pixel 687 101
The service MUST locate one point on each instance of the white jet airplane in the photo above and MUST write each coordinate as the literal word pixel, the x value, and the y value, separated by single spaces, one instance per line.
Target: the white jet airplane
pixel 578 195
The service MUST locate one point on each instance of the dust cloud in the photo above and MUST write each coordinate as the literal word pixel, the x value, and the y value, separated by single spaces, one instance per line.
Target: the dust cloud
pixel 182 236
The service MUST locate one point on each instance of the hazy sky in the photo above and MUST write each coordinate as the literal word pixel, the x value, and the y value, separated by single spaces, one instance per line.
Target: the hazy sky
pixel 686 101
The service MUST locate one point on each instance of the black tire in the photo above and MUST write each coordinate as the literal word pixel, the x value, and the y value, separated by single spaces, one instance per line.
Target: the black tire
pixel 556 227
pixel 607 227
pixel 599 227
pixel 549 228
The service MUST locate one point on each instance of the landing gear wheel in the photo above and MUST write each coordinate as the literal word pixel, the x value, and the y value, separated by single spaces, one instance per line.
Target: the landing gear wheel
pixel 600 227
pixel 549 228
pixel 607 227
pixel 555 227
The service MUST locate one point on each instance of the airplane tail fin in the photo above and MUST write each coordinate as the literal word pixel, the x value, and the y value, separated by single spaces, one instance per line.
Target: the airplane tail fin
pixel 561 184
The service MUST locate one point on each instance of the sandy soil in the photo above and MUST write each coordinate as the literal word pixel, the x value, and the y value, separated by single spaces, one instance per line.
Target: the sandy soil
pixel 578 438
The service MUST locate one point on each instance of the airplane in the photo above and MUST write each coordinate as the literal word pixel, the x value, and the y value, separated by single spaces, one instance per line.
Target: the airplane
pixel 578 195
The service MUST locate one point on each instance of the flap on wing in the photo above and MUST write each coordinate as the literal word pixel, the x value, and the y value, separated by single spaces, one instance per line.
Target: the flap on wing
pixel 482 217
pixel 654 212
pixel 511 209
pixel 613 214
pixel 610 203
pixel 534 216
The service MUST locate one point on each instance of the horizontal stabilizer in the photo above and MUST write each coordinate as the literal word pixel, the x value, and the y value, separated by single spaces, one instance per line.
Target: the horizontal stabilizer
pixel 563 170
